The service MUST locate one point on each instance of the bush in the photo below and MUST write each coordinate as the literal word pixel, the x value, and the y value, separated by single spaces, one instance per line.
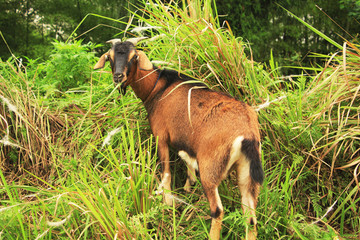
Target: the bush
pixel 69 66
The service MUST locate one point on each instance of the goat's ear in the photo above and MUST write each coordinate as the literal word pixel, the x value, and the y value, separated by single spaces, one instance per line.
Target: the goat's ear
pixel 144 62
pixel 101 62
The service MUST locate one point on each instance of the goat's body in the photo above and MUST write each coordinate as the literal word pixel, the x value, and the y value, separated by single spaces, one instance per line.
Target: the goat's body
pixel 212 132
pixel 215 121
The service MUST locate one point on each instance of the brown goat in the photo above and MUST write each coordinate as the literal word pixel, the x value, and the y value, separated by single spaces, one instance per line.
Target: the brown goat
pixel 212 132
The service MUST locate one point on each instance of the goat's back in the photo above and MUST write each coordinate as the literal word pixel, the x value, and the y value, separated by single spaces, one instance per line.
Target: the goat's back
pixel 196 119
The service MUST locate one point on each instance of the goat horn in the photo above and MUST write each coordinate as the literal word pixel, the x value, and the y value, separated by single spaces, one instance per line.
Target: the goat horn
pixel 113 41
pixel 136 40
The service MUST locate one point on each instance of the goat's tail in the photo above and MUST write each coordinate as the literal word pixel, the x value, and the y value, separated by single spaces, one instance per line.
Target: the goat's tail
pixel 251 150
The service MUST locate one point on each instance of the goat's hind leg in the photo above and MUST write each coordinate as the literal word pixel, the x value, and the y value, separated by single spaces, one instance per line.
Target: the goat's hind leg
pixel 210 180
pixel 216 209
pixel 249 190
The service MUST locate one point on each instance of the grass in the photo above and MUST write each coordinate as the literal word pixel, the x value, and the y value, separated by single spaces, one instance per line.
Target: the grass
pixel 77 161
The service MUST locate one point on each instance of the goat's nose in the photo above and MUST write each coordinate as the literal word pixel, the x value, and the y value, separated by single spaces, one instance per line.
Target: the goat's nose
pixel 118 77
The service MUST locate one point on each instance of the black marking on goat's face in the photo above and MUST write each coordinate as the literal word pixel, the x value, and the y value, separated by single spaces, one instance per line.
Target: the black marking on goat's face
pixel 121 57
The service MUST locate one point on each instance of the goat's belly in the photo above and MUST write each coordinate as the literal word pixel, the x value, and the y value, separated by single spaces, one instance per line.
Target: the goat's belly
pixel 183 143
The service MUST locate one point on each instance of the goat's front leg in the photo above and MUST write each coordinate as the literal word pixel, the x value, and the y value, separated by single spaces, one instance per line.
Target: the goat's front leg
pixel 192 166
pixel 165 185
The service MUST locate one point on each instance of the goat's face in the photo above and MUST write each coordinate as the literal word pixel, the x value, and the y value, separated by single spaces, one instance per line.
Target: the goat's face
pixel 122 57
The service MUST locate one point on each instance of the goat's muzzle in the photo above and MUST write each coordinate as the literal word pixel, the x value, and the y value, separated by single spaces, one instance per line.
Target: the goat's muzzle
pixel 120 82
pixel 118 77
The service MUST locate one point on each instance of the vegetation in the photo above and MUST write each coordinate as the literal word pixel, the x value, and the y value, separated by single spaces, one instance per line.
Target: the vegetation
pixel 29 26
pixel 266 26
pixel 77 161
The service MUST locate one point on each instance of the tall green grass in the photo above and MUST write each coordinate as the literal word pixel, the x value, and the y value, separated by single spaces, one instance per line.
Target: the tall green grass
pixel 312 121
pixel 88 181
pixel 192 39
pixel 77 161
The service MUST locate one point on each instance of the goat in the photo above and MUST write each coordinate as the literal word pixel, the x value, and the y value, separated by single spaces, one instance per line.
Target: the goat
pixel 212 132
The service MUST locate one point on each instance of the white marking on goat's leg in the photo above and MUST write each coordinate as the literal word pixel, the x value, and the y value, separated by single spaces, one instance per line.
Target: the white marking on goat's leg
pixel 190 179
pixel 217 213
pixel 235 154
pixel 210 186
pixel 163 182
pixel 166 180
pixel 189 160
pixel 165 185
pixel 192 166
pixel 249 192
pixel 163 151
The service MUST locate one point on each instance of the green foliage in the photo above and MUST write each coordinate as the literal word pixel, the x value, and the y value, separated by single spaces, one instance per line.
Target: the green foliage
pixel 69 66
pixel 29 27
pixel 269 28
pixel 96 197
pixel 82 164
pixel 211 55
pixel 353 7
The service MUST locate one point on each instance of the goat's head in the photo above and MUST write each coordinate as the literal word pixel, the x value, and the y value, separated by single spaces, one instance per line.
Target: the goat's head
pixel 122 57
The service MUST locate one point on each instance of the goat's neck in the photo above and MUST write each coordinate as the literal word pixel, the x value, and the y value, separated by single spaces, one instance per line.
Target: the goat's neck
pixel 143 83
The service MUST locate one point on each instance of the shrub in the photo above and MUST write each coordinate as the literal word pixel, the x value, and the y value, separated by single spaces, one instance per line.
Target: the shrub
pixel 69 66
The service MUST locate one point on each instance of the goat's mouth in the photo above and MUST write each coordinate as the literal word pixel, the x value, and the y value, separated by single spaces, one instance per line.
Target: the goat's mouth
pixel 121 85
